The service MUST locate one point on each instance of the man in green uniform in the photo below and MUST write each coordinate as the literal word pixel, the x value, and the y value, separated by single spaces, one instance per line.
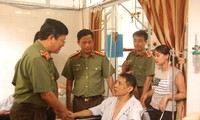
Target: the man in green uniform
pixel 35 76
pixel 141 63
pixel 87 70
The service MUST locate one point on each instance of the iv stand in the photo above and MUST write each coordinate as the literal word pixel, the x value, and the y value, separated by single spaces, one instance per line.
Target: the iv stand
pixel 173 82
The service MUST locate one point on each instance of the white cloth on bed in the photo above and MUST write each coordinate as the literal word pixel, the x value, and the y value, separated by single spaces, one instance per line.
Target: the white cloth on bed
pixel 7 103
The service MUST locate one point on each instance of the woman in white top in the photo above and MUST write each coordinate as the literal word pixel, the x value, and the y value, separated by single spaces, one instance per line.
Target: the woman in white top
pixel 161 93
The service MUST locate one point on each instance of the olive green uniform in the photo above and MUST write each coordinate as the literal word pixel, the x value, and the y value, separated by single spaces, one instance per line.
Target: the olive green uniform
pixel 143 65
pixel 34 73
pixel 88 73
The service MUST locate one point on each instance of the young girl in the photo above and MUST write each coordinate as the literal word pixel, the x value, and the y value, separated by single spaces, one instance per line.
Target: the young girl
pixel 161 93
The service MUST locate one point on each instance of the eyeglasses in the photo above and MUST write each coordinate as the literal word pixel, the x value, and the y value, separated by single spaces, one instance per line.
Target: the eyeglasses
pixel 63 41
pixel 60 39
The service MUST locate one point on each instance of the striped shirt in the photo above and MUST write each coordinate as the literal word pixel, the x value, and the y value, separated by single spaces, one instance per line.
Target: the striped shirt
pixel 162 85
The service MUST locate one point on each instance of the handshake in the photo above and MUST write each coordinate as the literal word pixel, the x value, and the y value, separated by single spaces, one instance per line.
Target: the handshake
pixel 68 115
pixel 65 115
pixel 72 115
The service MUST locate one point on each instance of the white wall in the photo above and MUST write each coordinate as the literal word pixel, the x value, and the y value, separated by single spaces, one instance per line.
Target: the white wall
pixel 17 30
pixel 193 79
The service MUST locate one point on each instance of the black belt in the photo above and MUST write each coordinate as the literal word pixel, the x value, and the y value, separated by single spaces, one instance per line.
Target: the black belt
pixel 87 99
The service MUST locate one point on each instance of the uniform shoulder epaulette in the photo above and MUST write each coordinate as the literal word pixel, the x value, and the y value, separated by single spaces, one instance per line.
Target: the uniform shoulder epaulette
pixel 99 53
pixel 148 54
pixel 74 54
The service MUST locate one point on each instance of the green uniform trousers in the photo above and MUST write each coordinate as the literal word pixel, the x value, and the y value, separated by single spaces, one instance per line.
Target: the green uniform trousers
pixel 28 111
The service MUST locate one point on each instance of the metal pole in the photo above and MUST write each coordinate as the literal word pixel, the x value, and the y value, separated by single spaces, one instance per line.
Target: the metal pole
pixel 173 83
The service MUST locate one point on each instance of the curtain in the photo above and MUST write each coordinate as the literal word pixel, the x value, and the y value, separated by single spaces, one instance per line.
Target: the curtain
pixel 168 20
pixel 96 21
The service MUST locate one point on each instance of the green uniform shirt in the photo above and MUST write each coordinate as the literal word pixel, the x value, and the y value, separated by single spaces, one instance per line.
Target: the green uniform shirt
pixel 34 74
pixel 88 73
pixel 142 64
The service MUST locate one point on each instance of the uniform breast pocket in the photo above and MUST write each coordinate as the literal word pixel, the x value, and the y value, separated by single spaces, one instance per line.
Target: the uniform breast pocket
pixel 96 70
pixel 77 70
pixel 140 70
pixel 51 73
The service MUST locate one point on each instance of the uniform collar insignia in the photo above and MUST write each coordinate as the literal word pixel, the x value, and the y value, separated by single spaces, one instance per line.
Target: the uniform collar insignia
pixel 91 54
pixel 148 54
pixel 45 55
pixel 79 55
pixel 140 53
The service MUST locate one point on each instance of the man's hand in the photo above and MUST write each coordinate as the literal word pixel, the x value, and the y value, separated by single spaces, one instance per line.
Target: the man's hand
pixel 65 115
pixel 4 112
pixel 142 100
pixel 163 103
pixel 126 65
pixel 71 115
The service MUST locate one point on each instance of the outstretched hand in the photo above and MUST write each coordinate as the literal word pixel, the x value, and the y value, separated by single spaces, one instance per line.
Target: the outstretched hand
pixel 71 115
pixel 65 115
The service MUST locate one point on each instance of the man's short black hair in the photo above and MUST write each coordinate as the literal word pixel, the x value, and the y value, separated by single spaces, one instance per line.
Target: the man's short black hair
pixel 130 79
pixel 84 32
pixel 36 36
pixel 52 27
pixel 141 33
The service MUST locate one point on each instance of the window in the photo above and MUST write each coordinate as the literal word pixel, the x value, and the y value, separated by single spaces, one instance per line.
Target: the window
pixel 92 2
pixel 126 25
pixel 55 3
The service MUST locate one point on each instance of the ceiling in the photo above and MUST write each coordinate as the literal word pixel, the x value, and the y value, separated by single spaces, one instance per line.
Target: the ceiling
pixel 58 4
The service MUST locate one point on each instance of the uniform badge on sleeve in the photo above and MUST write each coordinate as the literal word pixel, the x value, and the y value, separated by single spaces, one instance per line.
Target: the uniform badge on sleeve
pixel 74 54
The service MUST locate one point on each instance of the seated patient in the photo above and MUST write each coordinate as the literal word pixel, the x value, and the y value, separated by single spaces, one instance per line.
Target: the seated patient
pixel 124 106
pixel 161 93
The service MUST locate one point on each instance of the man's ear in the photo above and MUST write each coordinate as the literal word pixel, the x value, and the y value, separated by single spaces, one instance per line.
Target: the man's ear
pixel 130 89
pixel 50 36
